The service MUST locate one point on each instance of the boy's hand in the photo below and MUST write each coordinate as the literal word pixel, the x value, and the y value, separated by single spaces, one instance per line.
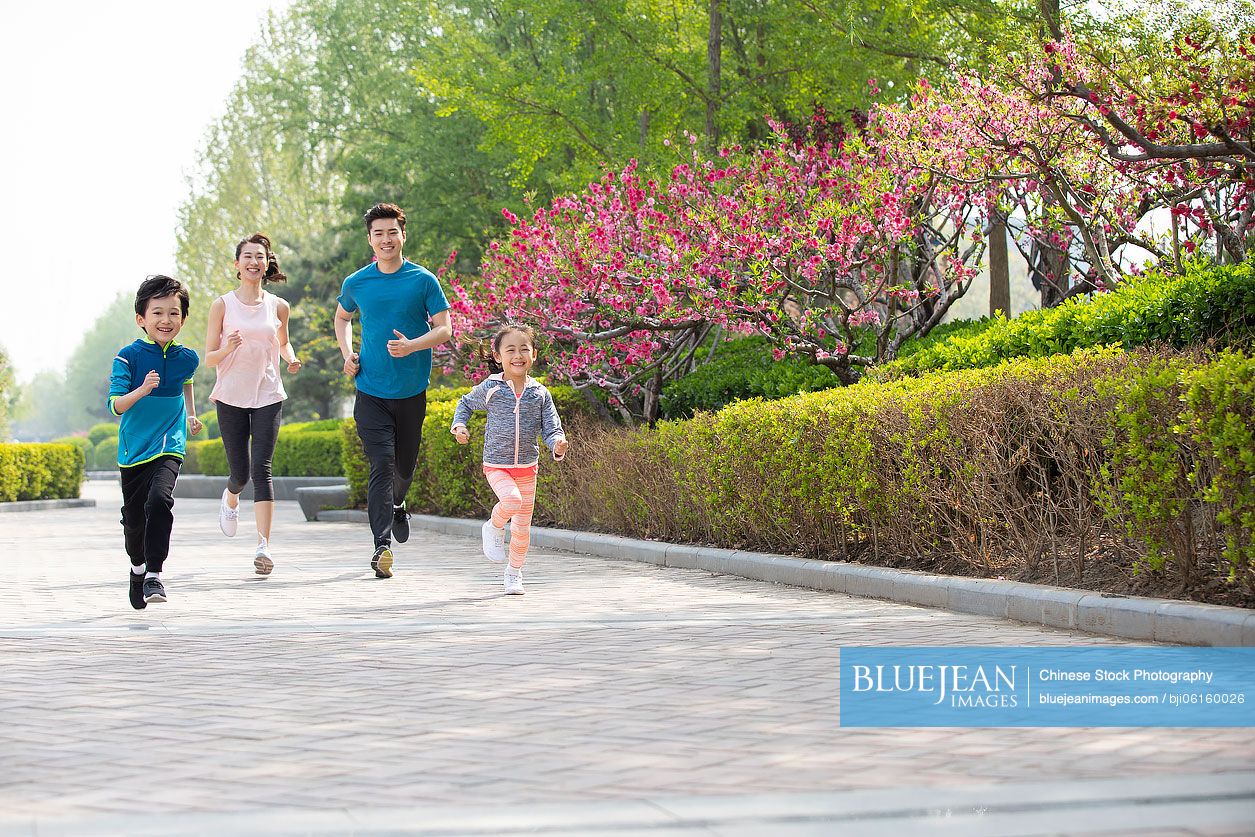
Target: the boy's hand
pixel 399 347
pixel 352 365
pixel 559 448
pixel 234 340
pixel 151 381
pixel 194 424
pixel 462 435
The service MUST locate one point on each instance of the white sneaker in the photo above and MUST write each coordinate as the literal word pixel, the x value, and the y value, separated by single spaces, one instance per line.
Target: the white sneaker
pixel 513 580
pixel 262 563
pixel 494 543
pixel 228 518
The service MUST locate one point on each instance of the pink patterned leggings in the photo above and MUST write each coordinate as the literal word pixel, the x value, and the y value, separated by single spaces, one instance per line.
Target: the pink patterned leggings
pixel 516 497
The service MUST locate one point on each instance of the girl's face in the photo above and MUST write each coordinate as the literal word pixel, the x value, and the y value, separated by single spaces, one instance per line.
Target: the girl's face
pixel 515 353
pixel 251 265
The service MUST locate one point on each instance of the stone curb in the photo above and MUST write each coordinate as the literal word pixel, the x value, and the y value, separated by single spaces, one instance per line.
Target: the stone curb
pixel 45 505
pixel 206 487
pixel 1129 617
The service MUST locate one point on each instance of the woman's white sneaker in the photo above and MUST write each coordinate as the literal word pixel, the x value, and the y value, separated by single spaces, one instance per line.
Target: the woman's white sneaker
pixel 494 543
pixel 513 580
pixel 228 518
pixel 262 563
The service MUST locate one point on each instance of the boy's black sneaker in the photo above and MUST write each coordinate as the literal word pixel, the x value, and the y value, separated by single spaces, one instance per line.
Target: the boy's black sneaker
pixel 137 591
pixel 154 591
pixel 400 524
pixel 381 562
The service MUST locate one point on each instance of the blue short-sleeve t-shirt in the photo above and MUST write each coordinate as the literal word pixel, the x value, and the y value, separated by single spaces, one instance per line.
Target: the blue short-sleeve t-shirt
pixel 403 301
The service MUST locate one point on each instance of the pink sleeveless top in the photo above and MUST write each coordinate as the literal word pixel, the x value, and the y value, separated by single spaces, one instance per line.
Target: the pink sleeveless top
pixel 249 376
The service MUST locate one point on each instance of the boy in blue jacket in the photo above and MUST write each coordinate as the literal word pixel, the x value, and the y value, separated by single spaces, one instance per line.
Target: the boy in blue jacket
pixel 151 389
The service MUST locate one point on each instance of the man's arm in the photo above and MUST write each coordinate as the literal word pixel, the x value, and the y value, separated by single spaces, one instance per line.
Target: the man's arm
pixel 441 332
pixel 344 336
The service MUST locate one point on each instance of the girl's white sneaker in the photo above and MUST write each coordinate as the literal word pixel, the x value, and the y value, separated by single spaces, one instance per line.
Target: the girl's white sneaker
pixel 494 543
pixel 228 518
pixel 513 580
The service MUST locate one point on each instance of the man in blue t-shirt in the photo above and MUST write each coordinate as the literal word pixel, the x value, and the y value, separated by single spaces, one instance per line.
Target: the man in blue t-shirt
pixel 404 315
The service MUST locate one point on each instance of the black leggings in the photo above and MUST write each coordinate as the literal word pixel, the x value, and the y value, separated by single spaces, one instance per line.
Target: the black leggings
pixel 148 510
pixel 390 430
pixel 236 425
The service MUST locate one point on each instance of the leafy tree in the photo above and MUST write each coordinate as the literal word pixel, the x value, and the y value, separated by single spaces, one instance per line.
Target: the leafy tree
pixel 40 413
pixel 569 87
pixel 88 367
pixel 8 393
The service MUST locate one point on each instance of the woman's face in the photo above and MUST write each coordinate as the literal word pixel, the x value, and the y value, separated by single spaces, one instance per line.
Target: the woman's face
pixel 252 261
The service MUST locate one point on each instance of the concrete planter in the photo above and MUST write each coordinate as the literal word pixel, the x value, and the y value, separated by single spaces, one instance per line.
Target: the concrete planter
pixel 204 487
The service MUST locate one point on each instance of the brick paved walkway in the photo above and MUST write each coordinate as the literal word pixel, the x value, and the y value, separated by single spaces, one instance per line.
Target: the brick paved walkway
pixel 322 690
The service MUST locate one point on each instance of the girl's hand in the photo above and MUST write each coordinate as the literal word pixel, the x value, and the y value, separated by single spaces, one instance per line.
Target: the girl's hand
pixel 234 340
pixel 151 381
pixel 462 435
pixel 559 448
pixel 194 424
pixel 294 366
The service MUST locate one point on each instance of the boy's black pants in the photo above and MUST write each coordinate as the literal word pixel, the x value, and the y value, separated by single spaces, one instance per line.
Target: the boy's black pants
pixel 148 510
pixel 391 430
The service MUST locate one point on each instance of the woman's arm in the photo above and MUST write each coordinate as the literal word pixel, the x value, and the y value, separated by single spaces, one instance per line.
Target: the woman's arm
pixel 286 352
pixel 217 349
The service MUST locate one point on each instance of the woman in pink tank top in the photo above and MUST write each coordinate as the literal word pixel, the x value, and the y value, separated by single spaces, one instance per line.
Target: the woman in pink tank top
pixel 247 337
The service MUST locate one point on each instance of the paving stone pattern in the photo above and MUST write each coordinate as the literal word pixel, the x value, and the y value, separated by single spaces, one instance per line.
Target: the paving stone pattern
pixel 323 688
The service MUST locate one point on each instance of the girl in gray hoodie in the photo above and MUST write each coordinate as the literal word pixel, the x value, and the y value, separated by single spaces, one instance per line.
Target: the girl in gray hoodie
pixel 519 410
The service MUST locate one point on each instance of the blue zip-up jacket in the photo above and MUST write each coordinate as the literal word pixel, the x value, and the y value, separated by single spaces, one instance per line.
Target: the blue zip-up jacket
pixel 514 422
pixel 156 425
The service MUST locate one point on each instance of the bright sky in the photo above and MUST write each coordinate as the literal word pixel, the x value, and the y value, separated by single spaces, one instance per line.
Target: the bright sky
pixel 104 107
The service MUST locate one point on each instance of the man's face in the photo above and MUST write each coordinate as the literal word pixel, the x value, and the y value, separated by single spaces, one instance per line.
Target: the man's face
pixel 386 239
pixel 162 319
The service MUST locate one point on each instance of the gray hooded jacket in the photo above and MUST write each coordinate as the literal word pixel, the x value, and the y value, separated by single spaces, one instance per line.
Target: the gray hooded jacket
pixel 514 422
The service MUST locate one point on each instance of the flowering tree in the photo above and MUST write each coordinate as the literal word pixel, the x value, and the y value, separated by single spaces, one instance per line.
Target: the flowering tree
pixel 1087 139
pixel 831 248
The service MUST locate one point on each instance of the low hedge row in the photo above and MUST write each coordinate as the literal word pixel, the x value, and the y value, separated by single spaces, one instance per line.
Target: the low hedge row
pixel 1207 304
pixel 298 453
pixel 742 368
pixel 987 471
pixel 40 471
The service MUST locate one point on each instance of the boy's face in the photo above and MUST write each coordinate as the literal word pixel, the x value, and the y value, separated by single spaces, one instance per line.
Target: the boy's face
pixel 162 319
pixel 386 239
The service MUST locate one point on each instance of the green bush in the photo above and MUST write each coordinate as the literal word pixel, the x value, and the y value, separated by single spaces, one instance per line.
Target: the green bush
pixel 102 431
pixel 298 453
pixel 105 454
pixel 1207 304
pixel 82 443
pixel 209 418
pixel 40 471
pixel 742 368
pixel 308 454
pixel 978 470
pixel 319 426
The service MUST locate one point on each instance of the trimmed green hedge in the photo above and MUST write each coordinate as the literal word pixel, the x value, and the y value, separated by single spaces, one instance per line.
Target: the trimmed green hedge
pixel 105 454
pixel 40 471
pixel 1207 304
pixel 982 471
pixel 298 453
pixel 742 368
